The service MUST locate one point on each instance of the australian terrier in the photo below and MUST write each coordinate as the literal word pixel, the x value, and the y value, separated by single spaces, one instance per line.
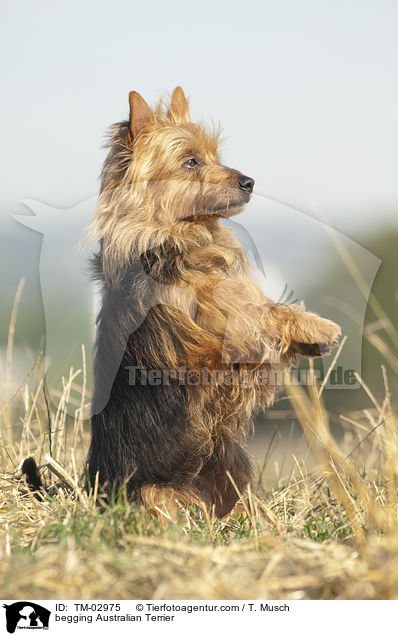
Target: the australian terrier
pixel 181 320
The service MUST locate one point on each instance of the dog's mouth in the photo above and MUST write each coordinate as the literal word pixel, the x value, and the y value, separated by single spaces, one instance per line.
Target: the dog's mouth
pixel 232 207
pixel 217 212
pixel 225 211
pixel 212 209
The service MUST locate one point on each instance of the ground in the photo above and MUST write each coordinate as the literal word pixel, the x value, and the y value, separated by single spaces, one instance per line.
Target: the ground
pixel 331 533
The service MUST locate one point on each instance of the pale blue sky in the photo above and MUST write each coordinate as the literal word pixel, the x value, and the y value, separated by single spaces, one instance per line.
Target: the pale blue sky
pixel 306 92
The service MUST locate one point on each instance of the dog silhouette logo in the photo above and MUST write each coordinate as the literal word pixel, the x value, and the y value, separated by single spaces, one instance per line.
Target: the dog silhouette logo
pixel 26 615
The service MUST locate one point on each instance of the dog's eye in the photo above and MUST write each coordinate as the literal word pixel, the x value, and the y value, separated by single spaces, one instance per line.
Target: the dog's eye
pixel 191 163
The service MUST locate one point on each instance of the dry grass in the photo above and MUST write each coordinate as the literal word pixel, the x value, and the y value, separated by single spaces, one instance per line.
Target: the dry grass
pixel 330 534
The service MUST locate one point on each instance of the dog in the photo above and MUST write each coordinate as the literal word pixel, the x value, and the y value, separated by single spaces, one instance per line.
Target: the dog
pixel 178 300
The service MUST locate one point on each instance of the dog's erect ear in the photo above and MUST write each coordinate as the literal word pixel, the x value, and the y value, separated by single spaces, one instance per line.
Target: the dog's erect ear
pixel 179 107
pixel 140 114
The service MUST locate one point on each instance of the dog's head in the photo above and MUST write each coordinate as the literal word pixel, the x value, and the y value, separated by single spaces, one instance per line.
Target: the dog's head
pixel 170 166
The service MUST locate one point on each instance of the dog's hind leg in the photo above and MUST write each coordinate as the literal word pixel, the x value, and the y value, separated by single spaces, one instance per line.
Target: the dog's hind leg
pixel 164 502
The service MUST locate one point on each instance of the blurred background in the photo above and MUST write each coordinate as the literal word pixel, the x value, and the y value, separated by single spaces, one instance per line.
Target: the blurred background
pixel 307 97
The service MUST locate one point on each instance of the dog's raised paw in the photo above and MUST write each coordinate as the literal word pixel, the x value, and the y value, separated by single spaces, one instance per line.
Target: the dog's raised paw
pixel 315 336
pixel 312 349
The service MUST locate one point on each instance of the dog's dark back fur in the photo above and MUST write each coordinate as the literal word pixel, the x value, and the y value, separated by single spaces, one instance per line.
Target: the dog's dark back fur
pixel 144 433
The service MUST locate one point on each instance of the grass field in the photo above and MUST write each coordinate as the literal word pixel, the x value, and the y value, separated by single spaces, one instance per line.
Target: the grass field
pixel 328 533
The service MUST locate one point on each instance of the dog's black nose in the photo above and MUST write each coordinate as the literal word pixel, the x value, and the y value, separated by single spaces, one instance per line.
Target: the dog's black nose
pixel 246 183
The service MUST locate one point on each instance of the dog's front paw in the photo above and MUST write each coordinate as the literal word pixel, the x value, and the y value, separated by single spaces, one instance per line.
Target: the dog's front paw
pixel 311 349
pixel 314 336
